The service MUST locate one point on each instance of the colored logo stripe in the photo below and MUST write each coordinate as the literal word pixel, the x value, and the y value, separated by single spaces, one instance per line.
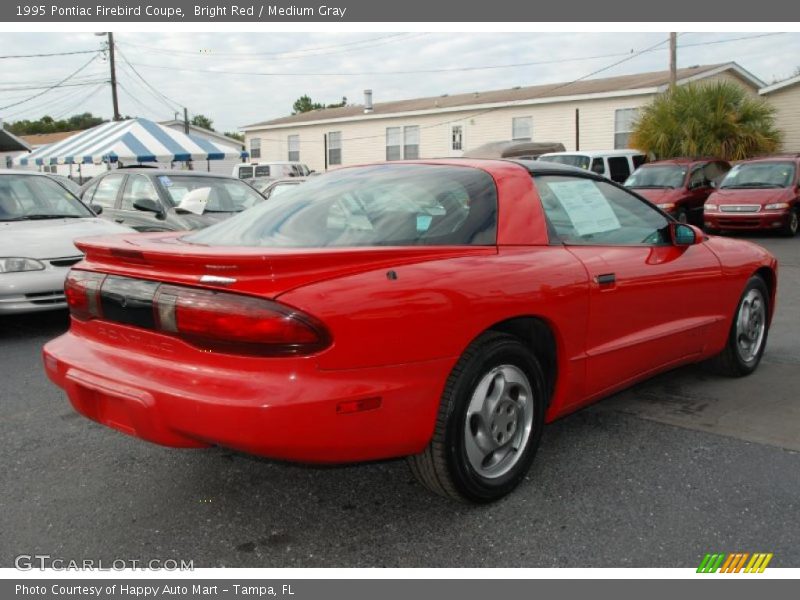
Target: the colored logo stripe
pixel 734 562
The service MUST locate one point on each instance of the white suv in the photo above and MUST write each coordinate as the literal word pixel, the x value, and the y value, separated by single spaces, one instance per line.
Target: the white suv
pixel 617 165
pixel 276 169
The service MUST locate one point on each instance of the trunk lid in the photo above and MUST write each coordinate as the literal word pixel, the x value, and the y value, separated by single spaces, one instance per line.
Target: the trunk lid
pixel 266 272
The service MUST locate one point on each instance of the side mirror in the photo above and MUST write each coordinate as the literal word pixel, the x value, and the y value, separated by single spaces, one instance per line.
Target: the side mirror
pixel 683 235
pixel 96 209
pixel 147 204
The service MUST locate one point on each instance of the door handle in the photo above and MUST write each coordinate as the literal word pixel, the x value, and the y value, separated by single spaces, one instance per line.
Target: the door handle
pixel 605 279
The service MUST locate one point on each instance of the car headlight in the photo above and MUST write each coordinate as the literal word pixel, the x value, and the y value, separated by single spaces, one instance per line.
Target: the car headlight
pixel 777 206
pixel 15 265
pixel 709 207
pixel 667 206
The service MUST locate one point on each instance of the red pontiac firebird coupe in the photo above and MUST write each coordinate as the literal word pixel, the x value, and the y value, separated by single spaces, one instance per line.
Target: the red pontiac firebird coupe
pixel 441 310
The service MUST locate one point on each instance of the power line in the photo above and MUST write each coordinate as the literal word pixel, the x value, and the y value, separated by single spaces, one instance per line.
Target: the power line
pixel 302 53
pixel 144 106
pixel 80 102
pixel 60 83
pixel 431 71
pixel 130 77
pixel 47 103
pixel 47 54
pixel 128 63
pixel 549 90
pixel 79 83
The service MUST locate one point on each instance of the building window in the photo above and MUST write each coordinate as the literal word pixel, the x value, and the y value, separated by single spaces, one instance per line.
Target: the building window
pixel 394 143
pixel 335 148
pixel 294 147
pixel 522 129
pixel 411 142
pixel 624 121
pixel 255 148
pixel 457 138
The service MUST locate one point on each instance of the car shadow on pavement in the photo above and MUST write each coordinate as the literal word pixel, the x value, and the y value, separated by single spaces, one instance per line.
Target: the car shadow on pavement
pixel 47 324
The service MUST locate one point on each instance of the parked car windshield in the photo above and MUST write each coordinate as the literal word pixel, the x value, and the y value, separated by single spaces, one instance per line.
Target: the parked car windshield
pixel 381 205
pixel 760 175
pixel 224 195
pixel 660 176
pixel 30 197
pixel 573 160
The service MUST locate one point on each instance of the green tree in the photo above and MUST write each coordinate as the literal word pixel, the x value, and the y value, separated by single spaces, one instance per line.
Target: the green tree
pixel 48 124
pixel 715 119
pixel 305 104
pixel 235 135
pixel 202 121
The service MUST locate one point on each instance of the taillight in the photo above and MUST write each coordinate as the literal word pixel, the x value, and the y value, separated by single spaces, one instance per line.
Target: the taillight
pixel 82 290
pixel 208 319
pixel 220 320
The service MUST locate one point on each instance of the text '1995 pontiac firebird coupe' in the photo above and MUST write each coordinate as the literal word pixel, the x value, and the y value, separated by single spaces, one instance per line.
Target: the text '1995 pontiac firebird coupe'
pixel 440 310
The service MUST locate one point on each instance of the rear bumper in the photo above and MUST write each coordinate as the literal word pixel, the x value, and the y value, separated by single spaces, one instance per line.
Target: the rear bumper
pixel 278 408
pixel 759 220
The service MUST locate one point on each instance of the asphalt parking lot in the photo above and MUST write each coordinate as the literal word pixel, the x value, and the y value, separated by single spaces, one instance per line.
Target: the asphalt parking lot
pixel 684 464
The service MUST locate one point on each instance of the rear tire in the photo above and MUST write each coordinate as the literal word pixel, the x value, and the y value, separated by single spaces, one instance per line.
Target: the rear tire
pixel 748 333
pixel 489 423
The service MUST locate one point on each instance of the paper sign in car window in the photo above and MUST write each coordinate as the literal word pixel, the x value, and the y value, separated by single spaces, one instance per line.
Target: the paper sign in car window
pixel 165 181
pixel 586 207
pixel 195 201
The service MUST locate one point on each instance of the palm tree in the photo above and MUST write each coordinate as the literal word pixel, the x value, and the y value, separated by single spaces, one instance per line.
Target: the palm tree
pixel 718 119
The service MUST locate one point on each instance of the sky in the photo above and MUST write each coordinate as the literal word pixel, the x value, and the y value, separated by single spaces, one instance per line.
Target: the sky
pixel 237 79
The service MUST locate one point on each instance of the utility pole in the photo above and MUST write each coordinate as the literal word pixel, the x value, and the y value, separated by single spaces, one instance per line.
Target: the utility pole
pixel 185 120
pixel 673 59
pixel 113 76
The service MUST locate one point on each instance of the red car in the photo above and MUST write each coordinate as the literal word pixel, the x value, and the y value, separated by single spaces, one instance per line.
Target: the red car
pixel 762 193
pixel 679 186
pixel 441 310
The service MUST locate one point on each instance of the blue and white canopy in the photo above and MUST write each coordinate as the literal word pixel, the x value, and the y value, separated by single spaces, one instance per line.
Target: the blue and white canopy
pixel 129 141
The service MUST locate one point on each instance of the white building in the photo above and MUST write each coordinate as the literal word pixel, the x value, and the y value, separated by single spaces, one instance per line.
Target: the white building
pixel 785 97
pixel 593 114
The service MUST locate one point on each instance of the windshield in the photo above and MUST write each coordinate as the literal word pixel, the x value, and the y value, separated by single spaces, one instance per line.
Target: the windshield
pixel 573 160
pixel 224 195
pixel 381 205
pixel 664 176
pixel 760 175
pixel 29 197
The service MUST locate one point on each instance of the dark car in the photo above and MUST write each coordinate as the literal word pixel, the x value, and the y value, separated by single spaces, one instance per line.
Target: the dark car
pixel 679 186
pixel 156 199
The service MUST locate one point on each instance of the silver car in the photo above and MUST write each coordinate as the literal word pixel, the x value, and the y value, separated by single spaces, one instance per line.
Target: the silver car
pixel 39 219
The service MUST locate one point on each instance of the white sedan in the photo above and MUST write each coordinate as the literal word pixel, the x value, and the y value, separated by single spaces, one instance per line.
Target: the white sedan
pixel 39 220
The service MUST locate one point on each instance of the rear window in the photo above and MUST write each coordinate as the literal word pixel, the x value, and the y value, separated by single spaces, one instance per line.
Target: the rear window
pixel 381 205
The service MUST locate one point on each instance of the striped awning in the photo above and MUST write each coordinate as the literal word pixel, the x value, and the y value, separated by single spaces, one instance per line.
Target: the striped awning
pixel 129 141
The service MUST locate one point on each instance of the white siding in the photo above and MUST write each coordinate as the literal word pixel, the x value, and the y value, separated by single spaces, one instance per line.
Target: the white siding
pixel 787 104
pixel 364 140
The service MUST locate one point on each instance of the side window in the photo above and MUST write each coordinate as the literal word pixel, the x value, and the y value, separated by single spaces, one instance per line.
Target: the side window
pixel 714 172
pixel 639 160
pixel 697 178
pixel 105 194
pixel 618 168
pixel 598 166
pixel 138 187
pixel 595 213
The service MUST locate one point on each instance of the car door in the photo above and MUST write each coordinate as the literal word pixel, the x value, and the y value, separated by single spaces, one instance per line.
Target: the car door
pixel 651 302
pixel 140 187
pixel 105 194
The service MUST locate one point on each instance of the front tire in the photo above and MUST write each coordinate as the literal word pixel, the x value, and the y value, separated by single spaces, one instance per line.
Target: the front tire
pixel 748 334
pixel 793 224
pixel 489 423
